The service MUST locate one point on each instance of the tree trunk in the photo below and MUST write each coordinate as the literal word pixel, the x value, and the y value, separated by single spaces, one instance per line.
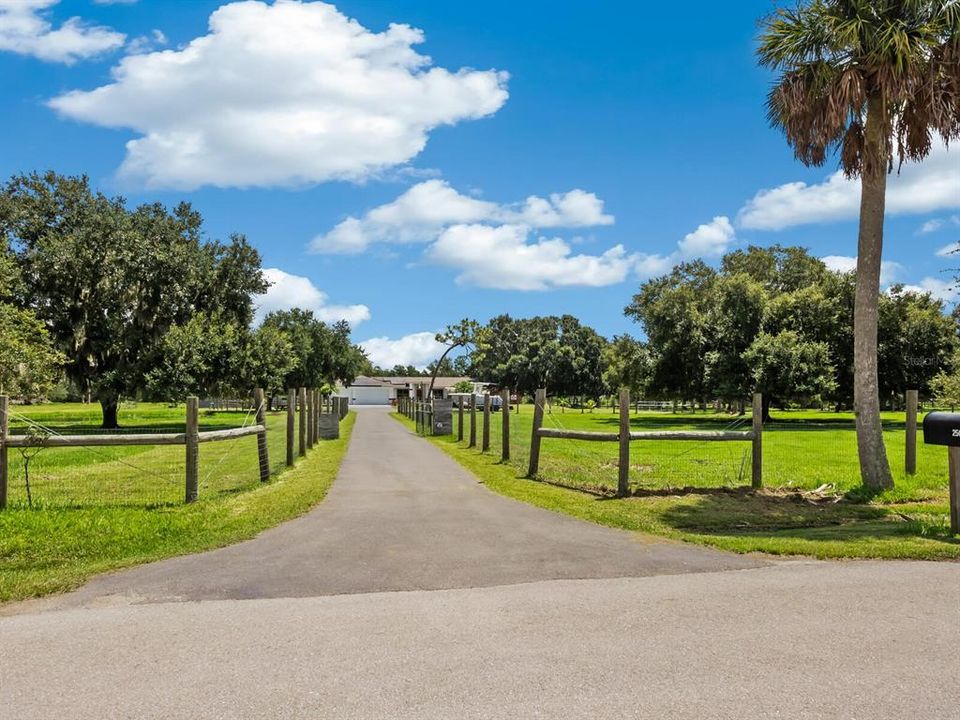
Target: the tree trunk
pixel 433 375
pixel 766 401
pixel 874 467
pixel 109 405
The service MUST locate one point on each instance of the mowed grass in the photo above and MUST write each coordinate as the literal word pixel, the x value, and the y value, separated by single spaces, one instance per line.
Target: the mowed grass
pixel 53 548
pixel 698 493
pixel 134 475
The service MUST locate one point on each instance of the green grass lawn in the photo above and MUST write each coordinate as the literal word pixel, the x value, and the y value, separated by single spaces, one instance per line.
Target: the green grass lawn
pixel 136 475
pixel 55 547
pixel 696 492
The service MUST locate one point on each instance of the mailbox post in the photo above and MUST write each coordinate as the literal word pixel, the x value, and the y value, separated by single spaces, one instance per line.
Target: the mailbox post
pixel 940 428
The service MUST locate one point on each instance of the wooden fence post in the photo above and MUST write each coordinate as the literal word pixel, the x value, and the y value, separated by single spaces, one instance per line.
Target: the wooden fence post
pixel 4 451
pixel 318 400
pixel 911 444
pixel 460 419
pixel 291 423
pixel 302 429
pixel 473 420
pixel 505 432
pixel 192 442
pixel 953 456
pixel 756 464
pixel 310 398
pixel 539 400
pixel 486 423
pixel 623 475
pixel 262 455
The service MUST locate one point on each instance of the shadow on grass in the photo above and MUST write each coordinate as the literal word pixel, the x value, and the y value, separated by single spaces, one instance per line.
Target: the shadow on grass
pixel 766 516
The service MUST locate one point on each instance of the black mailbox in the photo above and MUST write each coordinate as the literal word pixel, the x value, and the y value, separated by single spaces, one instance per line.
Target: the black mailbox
pixel 942 428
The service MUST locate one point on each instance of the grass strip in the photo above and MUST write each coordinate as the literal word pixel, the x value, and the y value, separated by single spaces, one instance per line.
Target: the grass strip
pixel 54 550
pixel 770 522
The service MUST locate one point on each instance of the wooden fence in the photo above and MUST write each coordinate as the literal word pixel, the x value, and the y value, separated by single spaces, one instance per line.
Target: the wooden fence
pixel 624 437
pixel 420 411
pixel 422 414
pixel 314 424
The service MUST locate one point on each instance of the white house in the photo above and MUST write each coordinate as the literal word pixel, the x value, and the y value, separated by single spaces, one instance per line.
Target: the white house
pixel 385 390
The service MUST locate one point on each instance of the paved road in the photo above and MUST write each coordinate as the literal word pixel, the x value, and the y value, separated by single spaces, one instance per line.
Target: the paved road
pixel 509 612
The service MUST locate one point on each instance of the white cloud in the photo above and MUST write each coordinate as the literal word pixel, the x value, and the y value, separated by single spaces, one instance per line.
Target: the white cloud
pixel 417 349
pixel 424 211
pixel 930 226
pixel 501 257
pixel 287 93
pixel 949 249
pixel 25 30
pixel 710 240
pixel 288 291
pixel 488 242
pixel 495 245
pixel 147 43
pixel 939 289
pixel 889 270
pixel 931 185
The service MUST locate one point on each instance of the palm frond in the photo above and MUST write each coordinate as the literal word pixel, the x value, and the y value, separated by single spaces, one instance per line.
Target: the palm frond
pixel 836 56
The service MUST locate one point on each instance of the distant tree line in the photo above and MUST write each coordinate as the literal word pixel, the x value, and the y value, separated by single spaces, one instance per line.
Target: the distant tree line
pixel 771 320
pixel 137 302
pixel 778 321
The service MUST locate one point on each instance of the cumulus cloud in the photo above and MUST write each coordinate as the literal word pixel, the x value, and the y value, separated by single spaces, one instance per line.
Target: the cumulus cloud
pixel 287 93
pixel 889 270
pixel 709 240
pixel 937 288
pixel 931 185
pixel 424 211
pixel 501 257
pixel 25 30
pixel 489 243
pixel 417 349
pixel 288 291
pixel 499 245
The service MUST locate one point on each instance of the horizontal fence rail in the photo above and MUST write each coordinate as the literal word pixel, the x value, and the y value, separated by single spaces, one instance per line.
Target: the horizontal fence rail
pixel 697 435
pixel 625 436
pixel 58 441
pixel 314 424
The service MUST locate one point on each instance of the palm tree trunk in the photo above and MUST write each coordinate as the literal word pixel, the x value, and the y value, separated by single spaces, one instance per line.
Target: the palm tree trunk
pixel 874 467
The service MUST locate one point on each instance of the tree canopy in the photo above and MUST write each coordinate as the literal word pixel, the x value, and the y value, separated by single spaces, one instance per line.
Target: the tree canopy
pixel 777 321
pixel 322 353
pixel 109 283
pixel 555 352
pixel 138 301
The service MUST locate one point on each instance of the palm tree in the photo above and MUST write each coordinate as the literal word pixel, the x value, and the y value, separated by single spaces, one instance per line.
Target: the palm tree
pixel 874 81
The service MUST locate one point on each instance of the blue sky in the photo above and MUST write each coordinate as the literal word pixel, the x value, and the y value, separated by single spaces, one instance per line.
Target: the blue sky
pixel 291 122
